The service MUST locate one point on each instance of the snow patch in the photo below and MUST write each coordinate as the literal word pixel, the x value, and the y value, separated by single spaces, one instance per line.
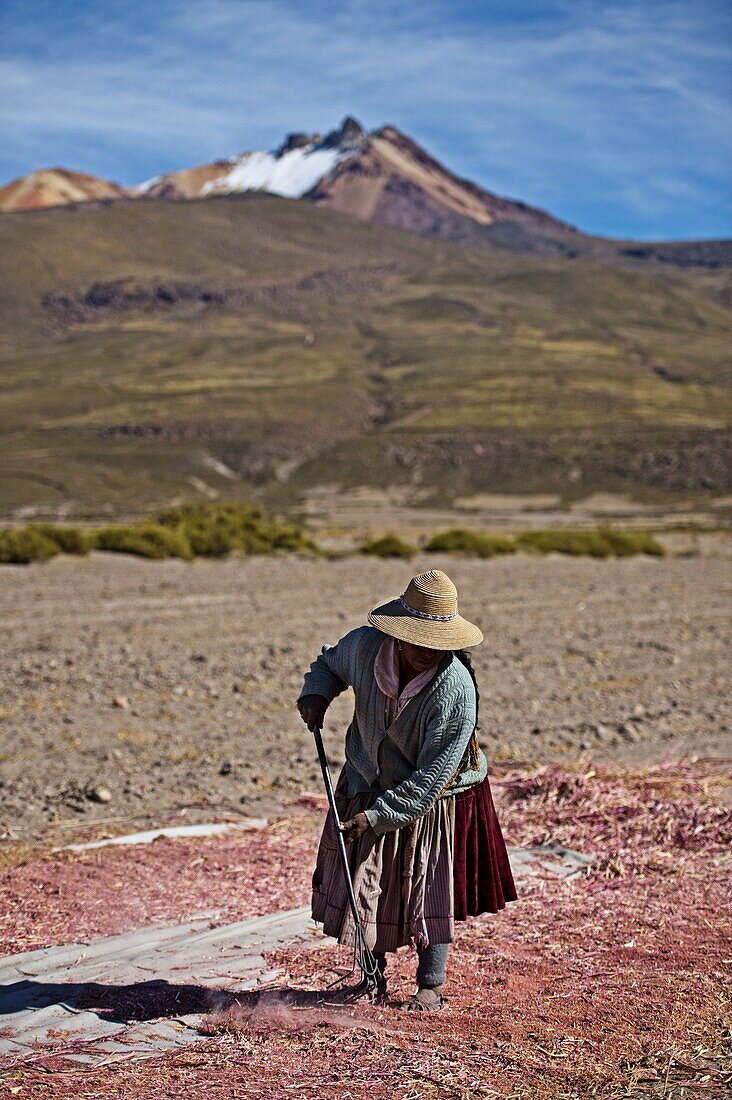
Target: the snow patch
pixel 291 175
pixel 143 188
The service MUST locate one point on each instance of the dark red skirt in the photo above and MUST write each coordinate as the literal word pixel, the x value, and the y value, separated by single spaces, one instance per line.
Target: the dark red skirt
pixel 481 872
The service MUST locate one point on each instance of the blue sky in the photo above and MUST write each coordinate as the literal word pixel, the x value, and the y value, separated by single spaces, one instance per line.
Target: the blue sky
pixel 615 116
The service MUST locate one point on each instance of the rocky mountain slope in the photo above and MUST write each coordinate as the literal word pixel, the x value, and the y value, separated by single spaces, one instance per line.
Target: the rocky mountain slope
pixel 256 347
pixel 55 187
pixel 392 180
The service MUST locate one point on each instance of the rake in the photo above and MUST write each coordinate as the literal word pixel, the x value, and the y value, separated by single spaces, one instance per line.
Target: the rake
pixel 363 957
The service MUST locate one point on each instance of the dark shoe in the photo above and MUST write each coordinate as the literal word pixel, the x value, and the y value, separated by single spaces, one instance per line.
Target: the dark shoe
pixel 426 999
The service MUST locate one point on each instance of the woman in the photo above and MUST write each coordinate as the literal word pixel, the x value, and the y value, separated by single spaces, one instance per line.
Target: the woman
pixel 425 846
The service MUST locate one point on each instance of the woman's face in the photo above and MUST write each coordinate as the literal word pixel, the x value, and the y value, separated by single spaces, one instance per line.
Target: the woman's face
pixel 420 657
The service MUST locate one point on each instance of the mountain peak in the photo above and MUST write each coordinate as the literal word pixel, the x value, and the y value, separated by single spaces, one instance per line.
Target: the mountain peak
pixel 349 135
pixel 56 187
pixel 298 140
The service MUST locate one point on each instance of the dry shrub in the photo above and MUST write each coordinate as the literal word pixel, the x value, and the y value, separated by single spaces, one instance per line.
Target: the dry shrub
pixel 70 540
pixel 601 542
pixel 208 530
pixel 464 541
pixel 147 540
pixel 215 530
pixel 22 545
pixel 389 546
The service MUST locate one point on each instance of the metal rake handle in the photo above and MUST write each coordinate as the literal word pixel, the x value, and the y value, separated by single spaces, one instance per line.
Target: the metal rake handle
pixel 341 840
pixel 362 955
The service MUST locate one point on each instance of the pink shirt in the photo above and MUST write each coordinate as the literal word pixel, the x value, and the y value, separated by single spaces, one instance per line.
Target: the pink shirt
pixel 386 673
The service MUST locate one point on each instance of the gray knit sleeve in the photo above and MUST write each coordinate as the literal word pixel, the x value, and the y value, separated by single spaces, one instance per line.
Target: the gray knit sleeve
pixel 447 734
pixel 332 671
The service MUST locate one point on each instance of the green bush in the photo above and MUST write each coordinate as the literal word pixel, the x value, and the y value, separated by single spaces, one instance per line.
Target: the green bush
pixel 22 545
pixel 148 540
pixel 598 543
pixel 589 543
pixel 626 543
pixel 214 530
pixel 70 540
pixel 462 540
pixel 208 530
pixel 389 546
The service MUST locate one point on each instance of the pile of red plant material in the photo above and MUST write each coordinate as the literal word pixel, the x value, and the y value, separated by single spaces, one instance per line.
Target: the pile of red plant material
pixel 76 896
pixel 609 985
pixel 652 821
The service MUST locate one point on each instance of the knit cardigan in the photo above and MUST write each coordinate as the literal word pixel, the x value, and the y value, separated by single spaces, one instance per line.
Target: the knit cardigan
pixel 423 754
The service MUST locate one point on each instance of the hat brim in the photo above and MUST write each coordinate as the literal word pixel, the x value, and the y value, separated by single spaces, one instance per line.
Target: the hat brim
pixel 457 633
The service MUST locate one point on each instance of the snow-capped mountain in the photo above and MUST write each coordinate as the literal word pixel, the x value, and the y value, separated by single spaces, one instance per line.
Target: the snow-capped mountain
pixel 380 176
pixel 301 162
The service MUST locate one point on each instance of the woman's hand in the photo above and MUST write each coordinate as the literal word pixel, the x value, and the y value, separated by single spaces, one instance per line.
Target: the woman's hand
pixel 355 827
pixel 312 710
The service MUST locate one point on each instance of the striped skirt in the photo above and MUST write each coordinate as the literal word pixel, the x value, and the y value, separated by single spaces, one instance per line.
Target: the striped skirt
pixel 412 884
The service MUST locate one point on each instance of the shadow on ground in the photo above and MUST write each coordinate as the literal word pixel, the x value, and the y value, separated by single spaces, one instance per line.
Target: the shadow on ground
pixel 157 1000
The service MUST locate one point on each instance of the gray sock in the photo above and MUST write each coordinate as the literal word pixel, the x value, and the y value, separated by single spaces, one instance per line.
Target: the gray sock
pixel 432 965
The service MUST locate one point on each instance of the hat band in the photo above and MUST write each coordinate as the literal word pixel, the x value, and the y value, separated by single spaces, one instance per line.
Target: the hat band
pixel 425 614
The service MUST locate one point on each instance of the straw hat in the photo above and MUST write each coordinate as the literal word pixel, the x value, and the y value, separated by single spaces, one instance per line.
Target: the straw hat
pixel 427 615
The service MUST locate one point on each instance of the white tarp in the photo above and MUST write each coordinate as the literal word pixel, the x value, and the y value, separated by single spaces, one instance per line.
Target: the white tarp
pixel 220 828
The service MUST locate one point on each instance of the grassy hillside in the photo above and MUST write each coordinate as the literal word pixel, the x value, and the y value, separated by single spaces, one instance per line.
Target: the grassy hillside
pixel 255 347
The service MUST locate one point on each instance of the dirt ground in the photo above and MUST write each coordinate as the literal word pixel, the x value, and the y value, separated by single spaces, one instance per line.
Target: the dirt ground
pixel 170 686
